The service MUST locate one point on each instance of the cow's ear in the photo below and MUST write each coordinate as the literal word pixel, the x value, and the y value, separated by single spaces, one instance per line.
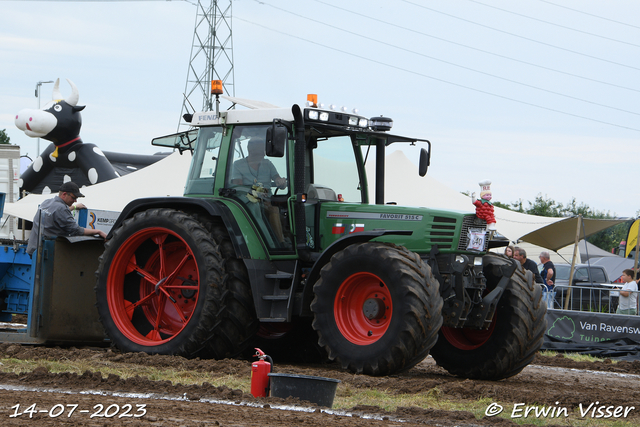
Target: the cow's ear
pixel 78 107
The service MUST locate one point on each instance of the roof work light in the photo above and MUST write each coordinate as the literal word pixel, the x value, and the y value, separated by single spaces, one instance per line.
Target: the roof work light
pixel 216 87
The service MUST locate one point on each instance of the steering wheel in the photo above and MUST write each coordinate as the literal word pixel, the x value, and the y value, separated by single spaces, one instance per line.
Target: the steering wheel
pixel 273 184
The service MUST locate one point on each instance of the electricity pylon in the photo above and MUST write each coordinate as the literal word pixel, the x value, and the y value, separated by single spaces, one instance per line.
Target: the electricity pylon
pixel 211 56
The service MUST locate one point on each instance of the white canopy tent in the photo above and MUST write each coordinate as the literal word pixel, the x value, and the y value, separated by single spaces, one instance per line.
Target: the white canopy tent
pixel 166 177
pixel 567 231
pixel 559 234
pixel 589 251
pixel 404 186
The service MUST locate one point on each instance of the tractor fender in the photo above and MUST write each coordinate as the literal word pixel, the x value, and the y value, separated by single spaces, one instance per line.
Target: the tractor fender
pixel 207 207
pixel 338 245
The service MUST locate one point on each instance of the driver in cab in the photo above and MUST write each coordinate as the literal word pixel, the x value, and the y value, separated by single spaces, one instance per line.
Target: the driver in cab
pixel 255 169
pixel 258 172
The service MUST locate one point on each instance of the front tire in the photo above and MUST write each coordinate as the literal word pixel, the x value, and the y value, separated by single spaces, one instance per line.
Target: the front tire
pixel 160 285
pixel 511 341
pixel 377 308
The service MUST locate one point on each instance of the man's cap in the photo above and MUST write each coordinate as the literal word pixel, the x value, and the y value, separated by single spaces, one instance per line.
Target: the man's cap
pixel 71 187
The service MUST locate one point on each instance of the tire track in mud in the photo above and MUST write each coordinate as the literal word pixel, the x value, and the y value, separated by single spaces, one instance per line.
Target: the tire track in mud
pixel 553 381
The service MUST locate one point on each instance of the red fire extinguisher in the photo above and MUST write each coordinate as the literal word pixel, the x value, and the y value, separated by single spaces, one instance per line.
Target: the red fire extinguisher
pixel 259 374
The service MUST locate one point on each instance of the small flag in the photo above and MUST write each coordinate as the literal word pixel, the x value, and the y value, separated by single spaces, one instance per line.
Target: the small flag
pixel 338 229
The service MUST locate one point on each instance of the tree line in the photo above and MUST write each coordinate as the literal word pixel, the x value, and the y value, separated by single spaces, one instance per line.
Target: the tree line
pixel 4 138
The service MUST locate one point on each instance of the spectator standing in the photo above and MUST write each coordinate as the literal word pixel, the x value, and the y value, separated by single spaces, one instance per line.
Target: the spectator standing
pixel 521 255
pixel 548 275
pixel 57 219
pixel 508 251
pixel 628 303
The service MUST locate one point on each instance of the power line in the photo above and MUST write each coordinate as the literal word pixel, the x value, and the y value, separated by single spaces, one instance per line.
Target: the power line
pixel 552 23
pixel 102 1
pixel 521 37
pixel 351 54
pixel 590 14
pixel 454 64
pixel 477 49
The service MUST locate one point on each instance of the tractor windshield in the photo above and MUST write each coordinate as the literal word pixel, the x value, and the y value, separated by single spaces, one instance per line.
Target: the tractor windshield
pixel 335 171
pixel 345 166
pixel 205 159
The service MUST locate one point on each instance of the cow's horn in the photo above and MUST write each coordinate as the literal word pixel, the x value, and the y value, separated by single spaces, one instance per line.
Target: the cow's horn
pixel 74 97
pixel 56 91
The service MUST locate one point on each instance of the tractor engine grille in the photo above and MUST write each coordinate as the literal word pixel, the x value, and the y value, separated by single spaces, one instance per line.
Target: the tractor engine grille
pixel 443 232
pixel 471 221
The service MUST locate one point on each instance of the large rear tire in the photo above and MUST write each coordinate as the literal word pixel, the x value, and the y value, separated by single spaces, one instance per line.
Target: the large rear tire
pixel 240 323
pixel 512 340
pixel 160 286
pixel 377 308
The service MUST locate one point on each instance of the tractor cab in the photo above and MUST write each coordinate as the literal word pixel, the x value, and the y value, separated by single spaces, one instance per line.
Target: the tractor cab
pixel 251 157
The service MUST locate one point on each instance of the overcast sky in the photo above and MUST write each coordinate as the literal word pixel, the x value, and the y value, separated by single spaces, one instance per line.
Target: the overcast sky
pixel 538 96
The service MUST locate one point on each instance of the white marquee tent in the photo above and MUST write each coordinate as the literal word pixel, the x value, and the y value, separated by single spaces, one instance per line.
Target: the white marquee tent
pixel 167 177
pixel 404 186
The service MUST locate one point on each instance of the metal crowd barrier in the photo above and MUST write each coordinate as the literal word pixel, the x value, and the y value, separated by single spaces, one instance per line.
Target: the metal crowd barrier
pixel 600 298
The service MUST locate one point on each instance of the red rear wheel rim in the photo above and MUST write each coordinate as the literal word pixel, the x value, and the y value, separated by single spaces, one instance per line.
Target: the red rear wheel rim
pixel 168 289
pixel 467 338
pixel 363 308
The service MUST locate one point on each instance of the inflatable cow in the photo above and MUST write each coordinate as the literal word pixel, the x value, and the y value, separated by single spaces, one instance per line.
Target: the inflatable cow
pixel 67 158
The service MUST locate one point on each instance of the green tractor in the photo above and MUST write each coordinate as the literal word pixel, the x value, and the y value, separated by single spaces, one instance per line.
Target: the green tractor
pixel 276 241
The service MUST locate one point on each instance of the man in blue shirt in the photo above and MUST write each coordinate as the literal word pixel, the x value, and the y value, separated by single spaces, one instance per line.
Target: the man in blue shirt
pixel 57 219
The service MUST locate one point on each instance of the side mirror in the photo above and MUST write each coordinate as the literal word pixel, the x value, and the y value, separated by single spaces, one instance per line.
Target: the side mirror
pixel 277 136
pixel 424 162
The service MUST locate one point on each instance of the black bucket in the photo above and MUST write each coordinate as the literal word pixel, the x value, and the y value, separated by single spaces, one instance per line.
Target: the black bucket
pixel 318 390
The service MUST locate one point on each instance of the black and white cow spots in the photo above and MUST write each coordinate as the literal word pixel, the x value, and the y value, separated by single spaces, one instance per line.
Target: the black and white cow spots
pixel 60 122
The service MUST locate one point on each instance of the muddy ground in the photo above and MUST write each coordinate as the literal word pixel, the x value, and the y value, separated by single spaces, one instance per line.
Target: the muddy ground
pixel 554 381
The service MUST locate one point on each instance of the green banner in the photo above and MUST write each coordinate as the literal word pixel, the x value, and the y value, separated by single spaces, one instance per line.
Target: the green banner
pixel 583 327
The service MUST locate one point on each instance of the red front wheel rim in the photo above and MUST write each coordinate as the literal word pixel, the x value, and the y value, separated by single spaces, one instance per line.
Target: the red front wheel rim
pixel 166 293
pixel 363 308
pixel 467 338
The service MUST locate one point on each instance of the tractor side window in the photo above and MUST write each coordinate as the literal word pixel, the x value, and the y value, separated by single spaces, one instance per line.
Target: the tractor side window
pixel 249 166
pixel 335 168
pixel 260 184
pixel 203 167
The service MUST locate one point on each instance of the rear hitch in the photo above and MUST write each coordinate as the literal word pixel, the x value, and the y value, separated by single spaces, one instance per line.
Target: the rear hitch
pixel 481 315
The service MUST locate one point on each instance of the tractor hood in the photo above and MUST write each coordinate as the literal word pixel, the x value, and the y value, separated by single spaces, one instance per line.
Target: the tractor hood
pixel 447 229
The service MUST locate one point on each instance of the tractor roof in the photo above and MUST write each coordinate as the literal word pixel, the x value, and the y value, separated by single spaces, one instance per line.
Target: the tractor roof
pixel 258 112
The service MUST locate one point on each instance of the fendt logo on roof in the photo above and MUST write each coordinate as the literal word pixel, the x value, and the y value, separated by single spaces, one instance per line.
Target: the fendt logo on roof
pixel 207 117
